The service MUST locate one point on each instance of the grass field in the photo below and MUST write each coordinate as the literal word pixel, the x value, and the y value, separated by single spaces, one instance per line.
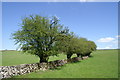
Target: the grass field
pixel 15 58
pixel 103 64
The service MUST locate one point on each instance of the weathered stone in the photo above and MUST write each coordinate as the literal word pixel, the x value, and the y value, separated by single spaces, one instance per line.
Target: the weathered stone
pixel 1 76
pixel 85 57
pixel 9 71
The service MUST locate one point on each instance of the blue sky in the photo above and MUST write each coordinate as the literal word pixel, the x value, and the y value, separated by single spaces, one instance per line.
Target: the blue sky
pixel 96 21
pixel 60 0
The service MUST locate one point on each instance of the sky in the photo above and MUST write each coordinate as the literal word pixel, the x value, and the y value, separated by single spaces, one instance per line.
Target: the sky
pixel 96 21
pixel 60 0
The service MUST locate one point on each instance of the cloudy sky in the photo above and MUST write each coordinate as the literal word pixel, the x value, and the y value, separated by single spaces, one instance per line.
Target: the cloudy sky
pixel 96 21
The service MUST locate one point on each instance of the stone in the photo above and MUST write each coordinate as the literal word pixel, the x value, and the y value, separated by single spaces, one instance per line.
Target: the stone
pixel 9 71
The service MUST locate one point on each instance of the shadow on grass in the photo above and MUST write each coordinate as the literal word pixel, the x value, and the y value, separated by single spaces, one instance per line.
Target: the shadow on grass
pixel 60 67
pixel 75 62
pixel 91 56
pixel 57 68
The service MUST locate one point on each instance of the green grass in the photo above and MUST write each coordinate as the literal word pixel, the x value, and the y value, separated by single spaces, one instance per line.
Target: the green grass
pixel 14 58
pixel 10 58
pixel 103 64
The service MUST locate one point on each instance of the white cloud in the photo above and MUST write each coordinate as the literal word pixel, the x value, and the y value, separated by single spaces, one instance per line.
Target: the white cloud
pixel 107 39
pixel 108 43
pixel 87 0
pixel 60 0
pixel 107 47
pixel 83 0
pixel 99 48
pixel 118 36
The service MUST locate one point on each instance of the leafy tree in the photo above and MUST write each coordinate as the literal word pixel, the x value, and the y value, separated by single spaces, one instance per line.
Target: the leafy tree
pixel 91 46
pixel 79 46
pixel 70 45
pixel 75 45
pixel 38 35
pixel 66 45
pixel 86 47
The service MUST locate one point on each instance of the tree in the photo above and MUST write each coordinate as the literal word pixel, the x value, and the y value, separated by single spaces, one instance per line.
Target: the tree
pixel 69 45
pixel 75 45
pixel 91 47
pixel 81 47
pixel 38 35
pixel 86 47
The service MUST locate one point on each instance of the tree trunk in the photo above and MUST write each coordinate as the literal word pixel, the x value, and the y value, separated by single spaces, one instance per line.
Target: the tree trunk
pixel 69 56
pixel 89 54
pixel 43 59
pixel 82 57
pixel 78 55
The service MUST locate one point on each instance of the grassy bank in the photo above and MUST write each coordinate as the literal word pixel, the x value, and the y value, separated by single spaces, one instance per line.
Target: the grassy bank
pixel 103 64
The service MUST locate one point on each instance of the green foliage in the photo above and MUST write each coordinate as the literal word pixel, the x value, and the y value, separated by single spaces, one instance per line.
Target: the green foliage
pixel 38 35
pixel 85 47
pixel 67 45
pixel 75 45
pixel 45 37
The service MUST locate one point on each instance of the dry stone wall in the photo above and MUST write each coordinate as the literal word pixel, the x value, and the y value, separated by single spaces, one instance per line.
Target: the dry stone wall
pixel 9 71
